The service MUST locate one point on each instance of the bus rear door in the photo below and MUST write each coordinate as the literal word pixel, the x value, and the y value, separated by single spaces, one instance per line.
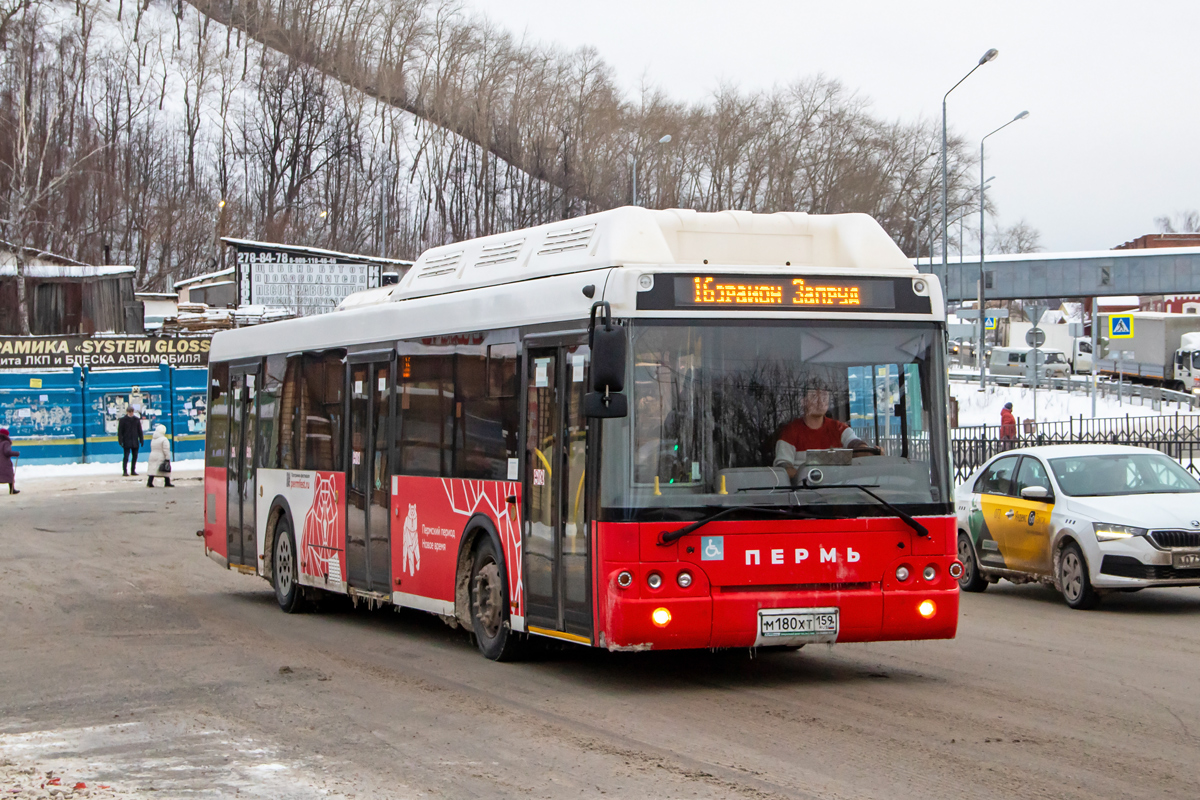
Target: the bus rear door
pixel 243 414
pixel 556 552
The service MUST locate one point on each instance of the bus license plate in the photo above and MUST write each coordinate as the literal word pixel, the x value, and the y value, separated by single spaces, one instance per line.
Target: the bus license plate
pixel 1186 560
pixel 796 625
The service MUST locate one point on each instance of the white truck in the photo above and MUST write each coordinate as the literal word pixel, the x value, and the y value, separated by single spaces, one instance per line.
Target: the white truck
pixel 1187 362
pixel 1059 336
pixel 1154 350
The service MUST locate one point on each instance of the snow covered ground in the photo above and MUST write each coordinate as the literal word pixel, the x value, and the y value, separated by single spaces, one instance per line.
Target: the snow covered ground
pixel 39 471
pixel 983 408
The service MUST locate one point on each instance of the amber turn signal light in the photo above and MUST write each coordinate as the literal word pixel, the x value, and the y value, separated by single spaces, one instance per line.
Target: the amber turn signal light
pixel 661 617
pixel 926 609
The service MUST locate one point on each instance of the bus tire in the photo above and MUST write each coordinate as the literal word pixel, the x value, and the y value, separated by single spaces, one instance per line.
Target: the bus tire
pixel 1073 579
pixel 488 604
pixel 285 572
pixel 970 580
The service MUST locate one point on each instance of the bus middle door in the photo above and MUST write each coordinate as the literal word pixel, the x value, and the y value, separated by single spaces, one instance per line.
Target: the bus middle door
pixel 368 475
pixel 557 558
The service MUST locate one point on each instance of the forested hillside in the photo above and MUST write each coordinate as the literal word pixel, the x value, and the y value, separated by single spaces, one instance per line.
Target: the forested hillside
pixel 140 132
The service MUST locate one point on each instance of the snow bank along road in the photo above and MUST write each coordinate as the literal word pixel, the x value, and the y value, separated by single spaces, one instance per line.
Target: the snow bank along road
pixel 129 660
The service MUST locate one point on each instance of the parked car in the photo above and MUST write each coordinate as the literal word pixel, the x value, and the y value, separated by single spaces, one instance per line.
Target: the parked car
pixel 1087 519
pixel 1013 360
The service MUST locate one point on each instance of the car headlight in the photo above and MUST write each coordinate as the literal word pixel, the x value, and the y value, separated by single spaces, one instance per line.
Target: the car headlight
pixel 1107 532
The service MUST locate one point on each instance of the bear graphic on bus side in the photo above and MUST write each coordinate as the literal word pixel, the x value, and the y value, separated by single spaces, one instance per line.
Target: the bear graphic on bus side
pixel 319 542
pixel 411 560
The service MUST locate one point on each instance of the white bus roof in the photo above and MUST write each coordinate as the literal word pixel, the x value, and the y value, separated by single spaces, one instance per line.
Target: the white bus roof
pixel 558 254
pixel 641 236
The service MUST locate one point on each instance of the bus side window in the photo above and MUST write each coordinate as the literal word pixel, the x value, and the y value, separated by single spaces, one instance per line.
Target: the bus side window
pixel 290 422
pixel 425 435
pixel 321 412
pixel 269 411
pixel 487 412
pixel 217 435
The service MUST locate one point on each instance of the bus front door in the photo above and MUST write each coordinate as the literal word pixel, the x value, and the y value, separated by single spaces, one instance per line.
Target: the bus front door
pixel 240 519
pixel 556 552
pixel 368 493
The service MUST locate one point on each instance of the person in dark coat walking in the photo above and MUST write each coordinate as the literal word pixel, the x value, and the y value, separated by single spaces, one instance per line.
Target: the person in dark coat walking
pixel 1008 427
pixel 7 454
pixel 131 439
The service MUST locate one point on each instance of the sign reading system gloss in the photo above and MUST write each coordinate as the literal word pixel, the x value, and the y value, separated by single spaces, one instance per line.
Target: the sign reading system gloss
pixel 815 292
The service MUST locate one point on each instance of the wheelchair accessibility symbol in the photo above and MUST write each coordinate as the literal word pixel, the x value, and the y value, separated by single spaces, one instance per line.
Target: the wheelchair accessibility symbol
pixel 712 548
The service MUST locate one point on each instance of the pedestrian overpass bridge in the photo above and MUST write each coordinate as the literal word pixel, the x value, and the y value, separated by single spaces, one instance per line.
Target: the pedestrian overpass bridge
pixel 1098 273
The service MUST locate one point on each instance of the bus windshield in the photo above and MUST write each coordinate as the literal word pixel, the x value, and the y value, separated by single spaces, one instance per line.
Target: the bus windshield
pixel 726 413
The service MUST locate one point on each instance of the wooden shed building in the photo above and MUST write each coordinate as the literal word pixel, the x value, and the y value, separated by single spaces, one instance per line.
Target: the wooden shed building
pixel 67 296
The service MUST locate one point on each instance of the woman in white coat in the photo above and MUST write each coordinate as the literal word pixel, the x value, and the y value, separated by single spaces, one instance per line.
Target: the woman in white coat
pixel 160 456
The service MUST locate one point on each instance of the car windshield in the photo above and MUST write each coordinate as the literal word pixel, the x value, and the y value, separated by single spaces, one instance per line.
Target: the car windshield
pixel 1055 358
pixel 722 412
pixel 1120 474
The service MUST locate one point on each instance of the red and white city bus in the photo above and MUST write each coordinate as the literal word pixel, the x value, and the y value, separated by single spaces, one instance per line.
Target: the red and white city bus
pixel 634 430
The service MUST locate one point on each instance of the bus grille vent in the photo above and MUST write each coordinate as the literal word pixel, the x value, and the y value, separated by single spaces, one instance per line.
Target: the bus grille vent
pixel 564 240
pixel 500 253
pixel 440 265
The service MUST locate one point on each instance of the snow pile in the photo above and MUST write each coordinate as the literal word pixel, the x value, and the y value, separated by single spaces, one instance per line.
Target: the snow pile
pixel 40 471
pixel 983 408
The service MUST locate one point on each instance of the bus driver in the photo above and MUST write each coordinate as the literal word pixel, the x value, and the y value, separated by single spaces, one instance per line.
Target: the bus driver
pixel 815 431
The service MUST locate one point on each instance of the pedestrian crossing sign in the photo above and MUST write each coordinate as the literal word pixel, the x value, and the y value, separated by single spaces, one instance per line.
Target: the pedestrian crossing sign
pixel 1120 327
pixel 989 324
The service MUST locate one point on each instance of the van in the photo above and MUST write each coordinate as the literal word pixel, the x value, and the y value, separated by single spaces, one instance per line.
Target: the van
pixel 1012 361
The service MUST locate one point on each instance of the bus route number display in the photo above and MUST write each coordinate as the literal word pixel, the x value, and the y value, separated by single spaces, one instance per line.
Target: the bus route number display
pixel 811 292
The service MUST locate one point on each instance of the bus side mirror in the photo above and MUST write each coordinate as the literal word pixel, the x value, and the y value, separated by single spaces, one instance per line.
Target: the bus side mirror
pixel 608 345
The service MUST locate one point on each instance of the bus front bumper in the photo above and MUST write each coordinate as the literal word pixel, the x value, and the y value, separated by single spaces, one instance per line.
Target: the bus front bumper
pixel 728 617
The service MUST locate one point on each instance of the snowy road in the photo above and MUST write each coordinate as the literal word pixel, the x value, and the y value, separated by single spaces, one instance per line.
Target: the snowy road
pixel 129 661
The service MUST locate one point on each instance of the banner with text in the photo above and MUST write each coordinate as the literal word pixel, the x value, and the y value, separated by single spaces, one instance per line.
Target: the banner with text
pixel 32 352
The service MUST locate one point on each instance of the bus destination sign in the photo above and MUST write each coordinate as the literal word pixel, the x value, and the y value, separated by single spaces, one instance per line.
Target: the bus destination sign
pixel 703 290
pixel 783 293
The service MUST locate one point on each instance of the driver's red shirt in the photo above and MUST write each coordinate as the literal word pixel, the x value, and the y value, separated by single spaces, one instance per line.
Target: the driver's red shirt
pixel 800 436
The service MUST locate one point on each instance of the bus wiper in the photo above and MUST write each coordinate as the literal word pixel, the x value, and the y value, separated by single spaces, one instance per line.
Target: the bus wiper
pixel 668 537
pixel 908 520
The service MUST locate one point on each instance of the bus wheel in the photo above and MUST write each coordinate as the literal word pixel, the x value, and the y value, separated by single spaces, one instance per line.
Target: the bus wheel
pixel 489 604
pixel 970 580
pixel 1073 580
pixel 285 569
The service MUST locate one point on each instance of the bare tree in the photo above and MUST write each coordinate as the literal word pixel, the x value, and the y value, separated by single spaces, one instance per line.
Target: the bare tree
pixel 1020 237
pixel 42 97
pixel 1179 222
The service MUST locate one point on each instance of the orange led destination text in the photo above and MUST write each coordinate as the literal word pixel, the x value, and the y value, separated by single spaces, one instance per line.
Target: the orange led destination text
pixel 708 291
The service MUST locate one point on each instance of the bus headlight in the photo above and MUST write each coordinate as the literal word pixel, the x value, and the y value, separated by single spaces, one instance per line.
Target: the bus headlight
pixel 684 579
pixel 655 580
pixel 926 609
pixel 930 572
pixel 661 617
pixel 902 573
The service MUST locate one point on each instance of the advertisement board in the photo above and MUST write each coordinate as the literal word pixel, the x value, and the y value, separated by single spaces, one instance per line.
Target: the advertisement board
pixel 304 281
pixel 36 352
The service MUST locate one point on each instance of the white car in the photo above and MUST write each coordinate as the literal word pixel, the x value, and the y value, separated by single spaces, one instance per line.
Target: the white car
pixel 1088 519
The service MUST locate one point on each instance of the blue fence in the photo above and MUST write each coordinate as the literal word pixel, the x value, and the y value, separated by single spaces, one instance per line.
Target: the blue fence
pixel 69 417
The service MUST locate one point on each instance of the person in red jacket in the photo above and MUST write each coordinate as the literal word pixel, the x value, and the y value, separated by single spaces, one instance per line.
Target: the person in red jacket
pixel 816 431
pixel 1008 426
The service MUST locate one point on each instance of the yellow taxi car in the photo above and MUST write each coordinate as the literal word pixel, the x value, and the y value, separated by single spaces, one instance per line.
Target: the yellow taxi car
pixel 1087 519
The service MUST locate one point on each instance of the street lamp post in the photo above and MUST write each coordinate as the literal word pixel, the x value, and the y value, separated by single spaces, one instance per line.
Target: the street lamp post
pixel 982 279
pixel 664 140
pixel 990 55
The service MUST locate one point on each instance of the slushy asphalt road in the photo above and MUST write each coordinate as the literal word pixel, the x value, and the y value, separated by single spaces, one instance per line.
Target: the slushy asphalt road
pixel 129 659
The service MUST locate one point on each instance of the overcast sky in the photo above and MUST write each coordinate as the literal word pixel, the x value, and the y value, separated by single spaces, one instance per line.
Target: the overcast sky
pixel 1111 88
